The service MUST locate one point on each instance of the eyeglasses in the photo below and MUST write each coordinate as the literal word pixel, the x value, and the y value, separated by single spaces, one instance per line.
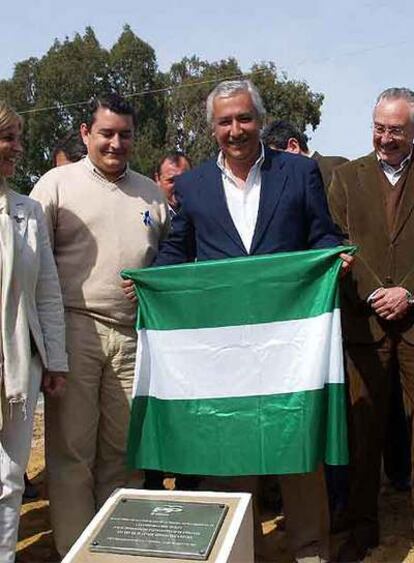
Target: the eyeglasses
pixel 393 130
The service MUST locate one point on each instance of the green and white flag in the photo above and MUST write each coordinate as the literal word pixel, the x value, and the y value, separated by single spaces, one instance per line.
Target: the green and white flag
pixel 239 366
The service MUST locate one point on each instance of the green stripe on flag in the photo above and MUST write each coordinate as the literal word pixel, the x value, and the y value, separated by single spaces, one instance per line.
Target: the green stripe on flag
pixel 287 433
pixel 239 366
pixel 238 291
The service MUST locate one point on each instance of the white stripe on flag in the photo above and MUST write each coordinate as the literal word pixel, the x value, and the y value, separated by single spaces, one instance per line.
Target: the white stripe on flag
pixel 240 361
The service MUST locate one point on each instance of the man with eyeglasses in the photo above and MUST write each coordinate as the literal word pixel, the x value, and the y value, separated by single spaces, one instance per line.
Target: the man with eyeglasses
pixel 372 200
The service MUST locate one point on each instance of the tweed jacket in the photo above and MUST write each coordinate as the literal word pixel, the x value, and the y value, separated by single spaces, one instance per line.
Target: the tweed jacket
pixel 384 259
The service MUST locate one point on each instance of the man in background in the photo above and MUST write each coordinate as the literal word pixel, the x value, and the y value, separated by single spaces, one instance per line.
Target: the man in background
pixel 69 148
pixel 283 136
pixel 171 165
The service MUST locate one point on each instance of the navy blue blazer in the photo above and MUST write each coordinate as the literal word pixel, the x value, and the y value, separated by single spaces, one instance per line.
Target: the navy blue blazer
pixel 293 213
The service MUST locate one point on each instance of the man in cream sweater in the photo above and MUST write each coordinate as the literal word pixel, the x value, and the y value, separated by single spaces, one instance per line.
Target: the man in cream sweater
pixel 102 218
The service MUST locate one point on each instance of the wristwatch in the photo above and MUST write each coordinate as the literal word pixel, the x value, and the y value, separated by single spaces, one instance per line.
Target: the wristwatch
pixel 410 297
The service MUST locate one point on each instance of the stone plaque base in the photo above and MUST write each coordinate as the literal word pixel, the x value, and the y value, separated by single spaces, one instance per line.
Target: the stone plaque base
pixel 166 526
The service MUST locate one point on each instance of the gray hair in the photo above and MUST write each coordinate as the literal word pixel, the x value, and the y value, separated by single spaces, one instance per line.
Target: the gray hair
pixel 397 94
pixel 229 88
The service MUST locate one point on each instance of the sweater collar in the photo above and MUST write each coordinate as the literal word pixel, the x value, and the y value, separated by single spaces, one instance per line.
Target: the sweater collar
pixel 92 168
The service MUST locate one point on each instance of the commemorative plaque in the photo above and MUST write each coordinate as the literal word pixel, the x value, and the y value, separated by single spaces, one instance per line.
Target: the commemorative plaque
pixel 160 528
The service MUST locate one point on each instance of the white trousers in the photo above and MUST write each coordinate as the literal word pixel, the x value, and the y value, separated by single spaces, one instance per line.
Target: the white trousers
pixel 15 441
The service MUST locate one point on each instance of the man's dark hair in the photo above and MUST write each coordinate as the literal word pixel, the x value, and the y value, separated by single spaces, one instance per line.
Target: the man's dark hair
pixel 71 145
pixel 114 102
pixel 278 133
pixel 174 157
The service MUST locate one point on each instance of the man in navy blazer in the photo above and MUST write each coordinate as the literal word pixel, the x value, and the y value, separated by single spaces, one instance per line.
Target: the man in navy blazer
pixel 251 200
pixel 292 214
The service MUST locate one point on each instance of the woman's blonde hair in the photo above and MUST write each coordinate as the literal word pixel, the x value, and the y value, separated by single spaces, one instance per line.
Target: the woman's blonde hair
pixel 8 116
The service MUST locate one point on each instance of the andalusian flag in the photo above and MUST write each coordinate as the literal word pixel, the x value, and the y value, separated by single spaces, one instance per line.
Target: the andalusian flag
pixel 239 366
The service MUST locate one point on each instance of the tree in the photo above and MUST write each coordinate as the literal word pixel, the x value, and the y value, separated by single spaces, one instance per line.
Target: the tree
pixel 20 92
pixel 52 94
pixel 134 72
pixel 291 100
pixel 47 92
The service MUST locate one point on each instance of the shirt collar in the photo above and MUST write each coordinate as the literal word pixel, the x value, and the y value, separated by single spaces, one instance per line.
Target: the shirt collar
pixel 395 169
pixel 256 165
pixel 90 165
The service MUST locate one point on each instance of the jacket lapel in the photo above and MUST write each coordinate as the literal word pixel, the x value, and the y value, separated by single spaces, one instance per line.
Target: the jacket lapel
pixel 273 182
pixel 370 193
pixel 407 202
pixel 218 205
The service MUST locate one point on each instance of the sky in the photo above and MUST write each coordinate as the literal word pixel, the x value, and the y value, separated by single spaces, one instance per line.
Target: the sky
pixel 350 51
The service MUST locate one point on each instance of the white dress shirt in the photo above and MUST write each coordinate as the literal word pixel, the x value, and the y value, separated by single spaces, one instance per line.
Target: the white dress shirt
pixel 243 199
pixel 394 173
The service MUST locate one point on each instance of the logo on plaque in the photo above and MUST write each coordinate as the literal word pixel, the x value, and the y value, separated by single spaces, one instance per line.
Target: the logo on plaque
pixel 165 510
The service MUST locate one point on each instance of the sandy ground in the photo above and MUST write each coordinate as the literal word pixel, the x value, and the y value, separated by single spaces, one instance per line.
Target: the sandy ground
pixel 36 541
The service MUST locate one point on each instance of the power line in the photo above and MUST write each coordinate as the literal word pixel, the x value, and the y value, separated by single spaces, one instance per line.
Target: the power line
pixel 353 53
pixel 147 92
pixel 214 80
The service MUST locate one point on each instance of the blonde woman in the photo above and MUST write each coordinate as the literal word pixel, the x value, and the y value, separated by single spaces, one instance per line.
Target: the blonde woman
pixel 32 335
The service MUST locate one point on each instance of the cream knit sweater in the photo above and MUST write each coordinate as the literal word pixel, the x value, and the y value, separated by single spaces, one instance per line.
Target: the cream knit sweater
pixel 97 228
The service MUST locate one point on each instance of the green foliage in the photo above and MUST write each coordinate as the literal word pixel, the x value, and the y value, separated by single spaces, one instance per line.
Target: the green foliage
pixel 134 71
pixel 52 93
pixel 71 71
pixel 286 99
